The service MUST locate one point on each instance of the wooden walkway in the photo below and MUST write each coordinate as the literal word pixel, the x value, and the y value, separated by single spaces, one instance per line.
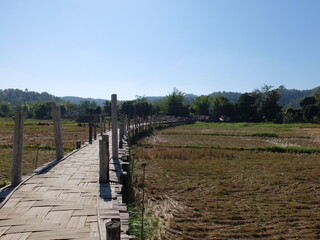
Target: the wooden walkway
pixel 66 201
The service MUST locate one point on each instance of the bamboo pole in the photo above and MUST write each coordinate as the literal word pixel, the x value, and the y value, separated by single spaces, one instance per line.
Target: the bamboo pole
pixel 114 126
pixel 104 159
pixel 16 175
pixel 58 138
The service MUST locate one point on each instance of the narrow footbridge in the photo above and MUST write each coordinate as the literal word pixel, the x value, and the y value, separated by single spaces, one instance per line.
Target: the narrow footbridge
pixel 66 201
pixel 76 196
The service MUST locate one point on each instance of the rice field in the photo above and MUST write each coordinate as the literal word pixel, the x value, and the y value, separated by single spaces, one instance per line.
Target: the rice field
pixel 195 192
pixel 39 145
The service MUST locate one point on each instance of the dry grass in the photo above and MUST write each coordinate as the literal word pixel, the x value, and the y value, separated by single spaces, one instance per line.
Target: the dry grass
pixel 225 194
pixel 35 136
pixel 231 141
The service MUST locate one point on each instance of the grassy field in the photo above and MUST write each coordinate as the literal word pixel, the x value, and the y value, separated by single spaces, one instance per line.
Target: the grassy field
pixel 232 181
pixel 38 144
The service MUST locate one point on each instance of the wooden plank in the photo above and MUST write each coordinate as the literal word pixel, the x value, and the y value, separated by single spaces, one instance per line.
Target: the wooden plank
pixel 54 204
pixel 3 230
pixel 17 236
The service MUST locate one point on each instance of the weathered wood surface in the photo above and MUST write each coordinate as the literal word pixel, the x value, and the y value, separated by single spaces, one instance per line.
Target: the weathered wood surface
pixel 66 202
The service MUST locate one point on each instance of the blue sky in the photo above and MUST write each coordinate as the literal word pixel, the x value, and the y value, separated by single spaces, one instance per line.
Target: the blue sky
pixel 93 48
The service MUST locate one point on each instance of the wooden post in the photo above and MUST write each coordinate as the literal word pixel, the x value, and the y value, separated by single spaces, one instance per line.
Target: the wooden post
pixel 125 122
pixel 121 136
pixel 101 125
pixel 104 159
pixel 95 121
pixel 122 126
pixel 16 175
pixel 113 229
pixel 114 126
pixel 58 139
pixel 128 123
pixel 104 124
pixel 142 210
pixel 90 133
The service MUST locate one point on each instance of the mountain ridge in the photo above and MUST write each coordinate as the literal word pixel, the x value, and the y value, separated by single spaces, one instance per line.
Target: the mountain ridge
pixel 16 97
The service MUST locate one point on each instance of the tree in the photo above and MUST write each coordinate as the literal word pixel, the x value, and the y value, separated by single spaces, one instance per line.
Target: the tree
pixel 310 112
pixel 107 108
pixel 88 107
pixel 41 110
pixel 308 101
pixel 201 105
pixel 143 108
pixel 128 108
pixel 220 106
pixel 174 104
pixel 267 103
pixel 310 108
pixel 246 108
pixel 292 115
pixel 5 109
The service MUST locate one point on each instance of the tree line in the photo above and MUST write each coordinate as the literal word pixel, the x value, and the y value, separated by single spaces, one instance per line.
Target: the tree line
pixel 260 105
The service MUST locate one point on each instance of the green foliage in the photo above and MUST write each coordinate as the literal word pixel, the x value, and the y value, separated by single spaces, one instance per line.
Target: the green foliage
pixel 308 101
pixel 107 108
pixel 135 138
pixel 3 183
pixel 267 103
pixel 135 222
pixel 139 107
pixel 246 109
pixel 220 106
pixel 174 104
pixel 311 108
pixel 292 115
pixel 143 108
pixel 5 109
pixel 201 105
pixel 18 97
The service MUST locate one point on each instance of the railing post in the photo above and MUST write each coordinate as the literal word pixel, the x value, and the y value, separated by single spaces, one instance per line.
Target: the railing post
pixel 104 159
pixel 90 133
pixel 122 129
pixel 16 175
pixel 58 139
pixel 95 121
pixel 101 125
pixel 120 136
pixel 104 124
pixel 113 229
pixel 114 126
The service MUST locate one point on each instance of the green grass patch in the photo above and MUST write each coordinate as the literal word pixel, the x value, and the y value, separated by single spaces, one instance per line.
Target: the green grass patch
pixel 265 134
pixel 262 125
pixel 276 149
pixel 3 183
pixel 135 222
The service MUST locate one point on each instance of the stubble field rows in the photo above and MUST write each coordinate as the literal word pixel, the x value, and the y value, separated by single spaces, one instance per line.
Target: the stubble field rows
pixel 209 193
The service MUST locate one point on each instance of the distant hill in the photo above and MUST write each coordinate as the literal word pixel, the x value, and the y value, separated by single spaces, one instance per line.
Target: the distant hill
pixel 78 100
pixel 16 97
pixel 232 96
pixel 293 97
